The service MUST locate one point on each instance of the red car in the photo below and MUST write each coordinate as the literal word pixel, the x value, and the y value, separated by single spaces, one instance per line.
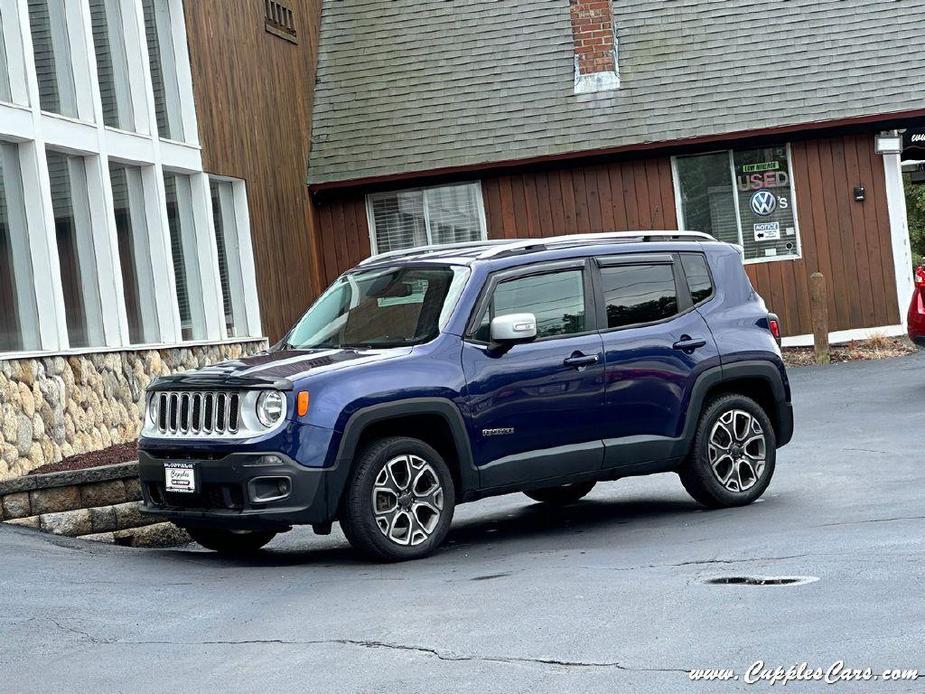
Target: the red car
pixel 917 309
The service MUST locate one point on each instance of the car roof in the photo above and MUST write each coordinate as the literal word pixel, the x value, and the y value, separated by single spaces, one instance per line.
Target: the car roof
pixel 535 249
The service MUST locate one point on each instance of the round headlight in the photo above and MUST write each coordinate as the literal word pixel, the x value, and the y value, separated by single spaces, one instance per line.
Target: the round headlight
pixel 270 407
pixel 152 407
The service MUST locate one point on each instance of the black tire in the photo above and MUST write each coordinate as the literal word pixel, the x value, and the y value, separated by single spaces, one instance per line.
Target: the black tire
pixel 237 543
pixel 560 496
pixel 405 535
pixel 697 473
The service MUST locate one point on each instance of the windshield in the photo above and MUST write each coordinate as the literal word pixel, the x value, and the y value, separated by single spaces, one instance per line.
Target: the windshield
pixel 382 307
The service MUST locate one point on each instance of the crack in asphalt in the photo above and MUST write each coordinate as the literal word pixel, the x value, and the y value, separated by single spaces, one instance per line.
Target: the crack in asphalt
pixel 871 520
pixel 447 656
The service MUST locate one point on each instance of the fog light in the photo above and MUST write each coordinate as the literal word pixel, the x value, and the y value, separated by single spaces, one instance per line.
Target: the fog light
pixel 264 489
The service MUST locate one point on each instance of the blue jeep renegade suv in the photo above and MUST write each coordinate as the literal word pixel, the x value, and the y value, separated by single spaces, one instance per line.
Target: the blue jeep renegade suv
pixel 425 378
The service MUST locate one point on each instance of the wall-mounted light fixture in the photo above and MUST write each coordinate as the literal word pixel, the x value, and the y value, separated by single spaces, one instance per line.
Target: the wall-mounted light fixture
pixel 859 193
pixel 889 143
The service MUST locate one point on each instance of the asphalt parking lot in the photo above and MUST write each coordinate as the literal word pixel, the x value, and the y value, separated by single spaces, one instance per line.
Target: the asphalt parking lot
pixel 606 595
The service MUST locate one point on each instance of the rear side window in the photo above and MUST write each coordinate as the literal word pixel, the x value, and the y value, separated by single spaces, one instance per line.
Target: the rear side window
pixel 698 276
pixel 638 294
pixel 557 299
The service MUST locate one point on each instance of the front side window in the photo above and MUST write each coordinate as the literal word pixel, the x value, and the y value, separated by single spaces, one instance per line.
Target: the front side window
pixel 185 251
pixel 54 67
pixel 134 252
pixel 635 294
pixel 382 307
pixel 76 253
pixel 743 197
pixel 18 320
pixel 422 217
pixel 163 59
pixel 557 299
pixel 112 63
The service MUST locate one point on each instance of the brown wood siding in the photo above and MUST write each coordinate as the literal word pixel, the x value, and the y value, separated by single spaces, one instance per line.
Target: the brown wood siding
pixel 343 234
pixel 845 240
pixel 253 100
pixel 848 241
pixel 616 196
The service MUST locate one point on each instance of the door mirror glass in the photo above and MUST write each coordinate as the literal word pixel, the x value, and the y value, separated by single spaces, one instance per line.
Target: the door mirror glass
pixel 513 327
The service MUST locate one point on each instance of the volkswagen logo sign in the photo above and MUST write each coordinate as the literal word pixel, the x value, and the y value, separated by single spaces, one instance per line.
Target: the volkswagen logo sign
pixel 764 203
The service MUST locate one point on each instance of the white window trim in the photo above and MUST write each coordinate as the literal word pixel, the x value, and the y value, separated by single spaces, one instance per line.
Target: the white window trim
pixel 34 131
pixel 679 203
pixel 371 222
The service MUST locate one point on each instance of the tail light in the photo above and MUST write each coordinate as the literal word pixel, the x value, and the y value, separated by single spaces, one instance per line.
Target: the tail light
pixel 920 276
pixel 774 327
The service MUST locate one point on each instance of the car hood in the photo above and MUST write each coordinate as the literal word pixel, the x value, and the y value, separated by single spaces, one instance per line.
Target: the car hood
pixel 274 369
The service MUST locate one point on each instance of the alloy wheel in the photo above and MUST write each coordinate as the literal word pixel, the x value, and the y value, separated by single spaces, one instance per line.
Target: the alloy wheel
pixel 407 500
pixel 737 450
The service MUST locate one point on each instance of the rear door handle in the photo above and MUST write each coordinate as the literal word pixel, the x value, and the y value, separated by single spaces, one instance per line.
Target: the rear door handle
pixel 578 360
pixel 688 344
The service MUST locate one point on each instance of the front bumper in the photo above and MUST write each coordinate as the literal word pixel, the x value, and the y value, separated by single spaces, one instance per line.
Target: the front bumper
pixel 232 492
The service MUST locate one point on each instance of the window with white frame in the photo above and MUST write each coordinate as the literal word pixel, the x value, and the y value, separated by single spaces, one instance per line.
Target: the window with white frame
pixel 95 228
pixel 424 216
pixel 12 67
pixel 112 63
pixel 163 59
pixel 185 254
pixel 67 175
pixel 128 199
pixel 228 245
pixel 744 197
pixel 54 64
pixel 18 322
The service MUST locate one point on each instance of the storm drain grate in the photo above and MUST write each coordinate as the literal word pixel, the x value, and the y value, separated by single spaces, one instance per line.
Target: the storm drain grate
pixel 760 580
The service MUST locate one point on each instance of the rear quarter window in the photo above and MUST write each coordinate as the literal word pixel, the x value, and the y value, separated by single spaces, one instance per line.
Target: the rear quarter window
pixel 698 276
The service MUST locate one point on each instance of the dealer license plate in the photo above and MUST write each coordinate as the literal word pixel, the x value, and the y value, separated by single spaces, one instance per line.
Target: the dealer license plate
pixel 180 478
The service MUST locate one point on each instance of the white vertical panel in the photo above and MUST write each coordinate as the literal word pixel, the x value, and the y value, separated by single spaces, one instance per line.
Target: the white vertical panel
pixel 165 284
pixel 144 267
pixel 20 244
pixel 206 256
pixel 12 38
pixel 186 96
pixel 246 254
pixel 899 232
pixel 106 246
pixel 79 33
pixel 136 56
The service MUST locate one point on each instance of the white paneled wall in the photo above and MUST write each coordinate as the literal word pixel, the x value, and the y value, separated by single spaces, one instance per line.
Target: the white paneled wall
pixel 69 82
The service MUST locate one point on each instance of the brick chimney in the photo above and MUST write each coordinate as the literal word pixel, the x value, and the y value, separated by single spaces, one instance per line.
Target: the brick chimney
pixel 595 46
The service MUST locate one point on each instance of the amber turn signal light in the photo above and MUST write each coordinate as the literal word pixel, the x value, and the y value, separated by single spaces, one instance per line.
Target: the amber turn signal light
pixel 302 403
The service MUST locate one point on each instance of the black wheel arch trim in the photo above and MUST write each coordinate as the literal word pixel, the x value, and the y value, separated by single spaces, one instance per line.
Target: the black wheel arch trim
pixel 728 373
pixel 365 417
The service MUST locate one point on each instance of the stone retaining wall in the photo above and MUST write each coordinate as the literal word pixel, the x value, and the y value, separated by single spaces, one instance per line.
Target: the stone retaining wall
pixel 96 504
pixel 57 406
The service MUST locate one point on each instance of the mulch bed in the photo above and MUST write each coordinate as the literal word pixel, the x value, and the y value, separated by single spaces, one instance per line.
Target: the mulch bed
pixel 860 350
pixel 120 453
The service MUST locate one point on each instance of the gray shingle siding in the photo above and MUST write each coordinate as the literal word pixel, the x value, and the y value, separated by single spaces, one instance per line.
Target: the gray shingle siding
pixel 415 85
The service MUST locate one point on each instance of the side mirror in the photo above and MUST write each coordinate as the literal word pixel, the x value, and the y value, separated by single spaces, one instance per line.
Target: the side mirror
pixel 514 327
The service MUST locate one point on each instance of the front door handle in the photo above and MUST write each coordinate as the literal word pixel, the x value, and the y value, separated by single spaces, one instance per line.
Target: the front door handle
pixel 578 360
pixel 688 344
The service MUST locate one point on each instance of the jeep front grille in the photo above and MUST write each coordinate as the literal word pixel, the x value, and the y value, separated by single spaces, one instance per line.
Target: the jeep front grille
pixel 185 413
